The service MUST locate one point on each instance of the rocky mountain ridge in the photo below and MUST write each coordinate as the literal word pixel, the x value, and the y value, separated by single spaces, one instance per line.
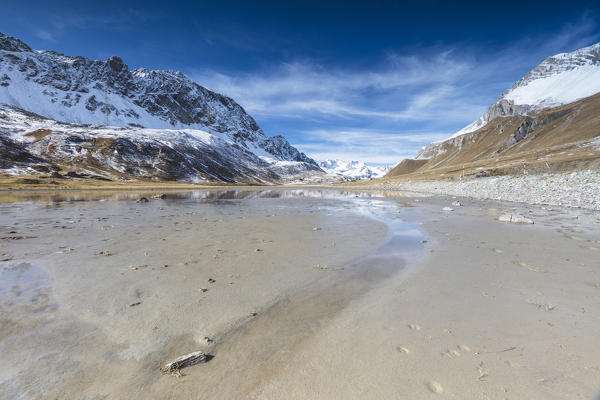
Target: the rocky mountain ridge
pixel 76 90
pixel 352 170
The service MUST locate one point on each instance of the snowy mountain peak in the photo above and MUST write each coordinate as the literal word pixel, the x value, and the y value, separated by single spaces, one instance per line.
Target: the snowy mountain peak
pixel 352 170
pixel 559 79
pixel 10 43
pixel 82 91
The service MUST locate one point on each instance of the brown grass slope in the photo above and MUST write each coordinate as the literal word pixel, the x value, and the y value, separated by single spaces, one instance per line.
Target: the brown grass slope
pixel 406 166
pixel 557 139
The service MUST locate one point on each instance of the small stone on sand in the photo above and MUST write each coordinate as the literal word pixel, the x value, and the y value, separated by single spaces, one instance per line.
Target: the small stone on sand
pixel 434 387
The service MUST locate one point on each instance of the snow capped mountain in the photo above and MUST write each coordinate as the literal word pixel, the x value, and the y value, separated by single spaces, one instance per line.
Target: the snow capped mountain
pixel 76 90
pixel 558 80
pixel 352 170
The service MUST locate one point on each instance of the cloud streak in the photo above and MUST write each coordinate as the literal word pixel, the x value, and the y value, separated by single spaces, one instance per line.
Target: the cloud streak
pixel 376 146
pixel 401 88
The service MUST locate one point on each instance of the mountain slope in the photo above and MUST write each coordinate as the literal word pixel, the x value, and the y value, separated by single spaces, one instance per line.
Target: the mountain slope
pixel 34 144
pixel 80 91
pixel 549 119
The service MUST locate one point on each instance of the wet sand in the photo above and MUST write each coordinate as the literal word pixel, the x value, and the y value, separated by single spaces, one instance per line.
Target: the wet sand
pixel 496 311
pixel 316 294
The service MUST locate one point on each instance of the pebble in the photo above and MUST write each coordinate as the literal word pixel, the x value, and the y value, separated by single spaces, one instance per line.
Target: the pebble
pixel 208 340
pixel 578 189
pixel 434 387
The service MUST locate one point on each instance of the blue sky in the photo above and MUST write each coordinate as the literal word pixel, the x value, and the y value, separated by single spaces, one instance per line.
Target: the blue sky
pixel 370 81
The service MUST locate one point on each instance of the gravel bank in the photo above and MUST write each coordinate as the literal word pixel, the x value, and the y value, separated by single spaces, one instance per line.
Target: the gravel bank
pixel 576 189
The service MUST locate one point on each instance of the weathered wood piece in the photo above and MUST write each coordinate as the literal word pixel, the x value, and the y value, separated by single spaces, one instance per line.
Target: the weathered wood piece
pixel 185 361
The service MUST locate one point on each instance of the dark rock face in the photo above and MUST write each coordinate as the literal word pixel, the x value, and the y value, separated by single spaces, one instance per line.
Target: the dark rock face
pixel 524 129
pixel 279 145
pixel 10 43
pixel 529 126
pixel 504 108
pixel 16 155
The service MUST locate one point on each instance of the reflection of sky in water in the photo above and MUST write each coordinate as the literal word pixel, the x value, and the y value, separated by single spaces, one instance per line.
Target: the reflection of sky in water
pixel 370 204
pixel 403 238
pixel 191 194
pixel 22 283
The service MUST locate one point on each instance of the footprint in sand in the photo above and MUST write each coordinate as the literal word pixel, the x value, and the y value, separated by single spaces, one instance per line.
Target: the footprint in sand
pixel 401 349
pixel 594 285
pixel 414 327
pixel 463 347
pixel 528 266
pixel 483 372
pixel 451 353
pixel 434 387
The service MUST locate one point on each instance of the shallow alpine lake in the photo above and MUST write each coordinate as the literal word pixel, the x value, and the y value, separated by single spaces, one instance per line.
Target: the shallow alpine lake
pixel 99 289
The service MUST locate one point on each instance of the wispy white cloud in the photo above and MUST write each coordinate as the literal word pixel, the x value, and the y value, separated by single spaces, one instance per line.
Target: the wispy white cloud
pixel 372 146
pixel 307 89
pixel 124 20
pixel 44 35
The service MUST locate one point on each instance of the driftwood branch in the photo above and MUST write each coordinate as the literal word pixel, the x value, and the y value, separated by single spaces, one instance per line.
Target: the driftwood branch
pixel 184 361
